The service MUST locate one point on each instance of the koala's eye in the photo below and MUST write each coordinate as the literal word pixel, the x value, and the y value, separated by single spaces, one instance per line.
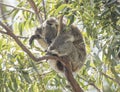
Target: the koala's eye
pixel 48 22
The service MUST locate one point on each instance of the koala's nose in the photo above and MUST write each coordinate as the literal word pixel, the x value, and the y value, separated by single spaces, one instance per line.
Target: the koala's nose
pixel 51 48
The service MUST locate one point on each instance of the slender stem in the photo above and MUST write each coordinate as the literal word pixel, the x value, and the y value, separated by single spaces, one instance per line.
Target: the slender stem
pixel 90 83
pixel 3 32
pixel 117 81
pixel 44 8
pixel 34 7
pixel 17 8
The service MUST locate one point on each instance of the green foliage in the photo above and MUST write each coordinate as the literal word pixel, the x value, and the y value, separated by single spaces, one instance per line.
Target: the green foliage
pixel 100 22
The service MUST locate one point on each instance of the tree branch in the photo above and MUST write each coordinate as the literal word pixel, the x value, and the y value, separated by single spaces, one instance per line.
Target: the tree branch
pixel 10 33
pixel 94 86
pixel 45 16
pixel 60 27
pixel 68 71
pixel 117 81
pixel 34 7
pixel 6 14
pixel 70 78
pixel 2 11
pixel 17 8
pixel 90 83
pixel 3 32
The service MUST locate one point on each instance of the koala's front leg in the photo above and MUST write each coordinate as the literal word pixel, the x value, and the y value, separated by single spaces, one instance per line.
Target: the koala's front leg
pixel 41 41
pixel 33 37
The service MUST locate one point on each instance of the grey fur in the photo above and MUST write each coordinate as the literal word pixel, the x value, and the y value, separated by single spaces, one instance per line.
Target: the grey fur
pixel 46 33
pixel 68 43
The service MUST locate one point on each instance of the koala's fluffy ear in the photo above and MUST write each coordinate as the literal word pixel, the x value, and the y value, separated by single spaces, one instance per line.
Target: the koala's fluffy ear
pixel 52 20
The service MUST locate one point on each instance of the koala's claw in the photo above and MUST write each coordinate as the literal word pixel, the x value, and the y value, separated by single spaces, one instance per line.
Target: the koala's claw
pixel 33 37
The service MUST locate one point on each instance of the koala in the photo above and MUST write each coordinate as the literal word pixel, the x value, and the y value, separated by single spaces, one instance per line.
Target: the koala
pixel 69 44
pixel 46 33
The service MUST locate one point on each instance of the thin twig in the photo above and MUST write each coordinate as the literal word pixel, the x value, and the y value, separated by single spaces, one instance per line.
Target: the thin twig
pixel 17 8
pixel 117 81
pixel 90 83
pixel 3 32
pixel 17 36
pixel 44 8
pixel 2 11
pixel 6 14
pixel 34 7
pixel 60 27
pixel 95 86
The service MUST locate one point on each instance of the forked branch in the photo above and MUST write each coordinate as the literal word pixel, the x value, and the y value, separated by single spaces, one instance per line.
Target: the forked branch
pixel 68 72
pixel 34 7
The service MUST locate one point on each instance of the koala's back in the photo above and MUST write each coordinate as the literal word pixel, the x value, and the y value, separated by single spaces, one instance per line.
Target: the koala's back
pixel 80 48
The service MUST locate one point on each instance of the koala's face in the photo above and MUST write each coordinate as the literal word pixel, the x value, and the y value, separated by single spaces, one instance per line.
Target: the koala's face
pixel 48 30
pixel 62 45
